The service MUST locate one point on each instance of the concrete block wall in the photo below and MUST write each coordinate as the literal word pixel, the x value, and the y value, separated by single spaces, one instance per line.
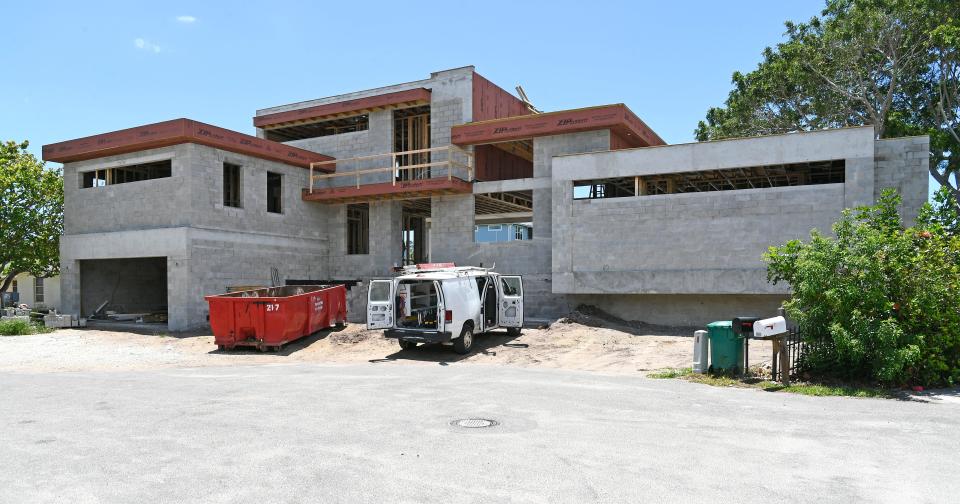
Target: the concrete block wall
pixel 904 164
pixel 208 246
pixel 692 243
pixel 695 310
pixel 299 218
pixel 384 252
pixel 654 244
pixel 451 102
pixel 694 258
pixel 134 205
pixel 218 260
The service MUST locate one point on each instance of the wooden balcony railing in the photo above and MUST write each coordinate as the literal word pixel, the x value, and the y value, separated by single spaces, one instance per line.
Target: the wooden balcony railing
pixel 417 164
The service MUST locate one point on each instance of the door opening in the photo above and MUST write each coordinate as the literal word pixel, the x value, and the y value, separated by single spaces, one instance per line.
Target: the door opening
pixel 411 132
pixel 413 232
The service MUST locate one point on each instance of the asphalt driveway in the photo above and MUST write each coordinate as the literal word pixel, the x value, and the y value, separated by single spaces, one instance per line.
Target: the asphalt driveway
pixel 381 432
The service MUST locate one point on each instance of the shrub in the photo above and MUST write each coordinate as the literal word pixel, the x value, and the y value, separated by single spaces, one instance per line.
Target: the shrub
pixel 15 327
pixel 879 302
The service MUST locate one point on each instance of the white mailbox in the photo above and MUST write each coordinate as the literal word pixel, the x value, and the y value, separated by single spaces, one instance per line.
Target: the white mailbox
pixel 768 328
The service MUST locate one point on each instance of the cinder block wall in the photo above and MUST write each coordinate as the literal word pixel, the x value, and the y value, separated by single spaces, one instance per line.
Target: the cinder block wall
pixel 904 164
pixel 692 243
pixel 693 258
pixel 136 205
pixel 208 247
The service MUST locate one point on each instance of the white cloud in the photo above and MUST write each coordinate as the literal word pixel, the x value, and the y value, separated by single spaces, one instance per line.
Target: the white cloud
pixel 146 45
pixel 186 19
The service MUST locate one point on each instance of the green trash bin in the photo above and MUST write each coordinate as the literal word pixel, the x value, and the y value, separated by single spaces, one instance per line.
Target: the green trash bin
pixel 726 348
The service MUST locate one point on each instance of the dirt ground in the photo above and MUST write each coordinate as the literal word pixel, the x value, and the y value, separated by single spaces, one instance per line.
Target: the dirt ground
pixel 581 341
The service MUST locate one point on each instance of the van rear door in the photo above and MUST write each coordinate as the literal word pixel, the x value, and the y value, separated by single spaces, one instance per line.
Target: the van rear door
pixel 511 307
pixel 380 304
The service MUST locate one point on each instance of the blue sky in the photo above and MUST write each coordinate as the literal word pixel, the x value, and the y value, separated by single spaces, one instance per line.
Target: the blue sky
pixel 76 69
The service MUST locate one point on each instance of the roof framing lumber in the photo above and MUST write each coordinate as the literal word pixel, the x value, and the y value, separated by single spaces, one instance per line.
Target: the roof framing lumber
pixel 398 99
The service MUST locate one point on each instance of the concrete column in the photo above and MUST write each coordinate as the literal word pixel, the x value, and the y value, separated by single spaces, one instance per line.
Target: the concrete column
pixel 385 240
pixel 186 307
pixel 70 287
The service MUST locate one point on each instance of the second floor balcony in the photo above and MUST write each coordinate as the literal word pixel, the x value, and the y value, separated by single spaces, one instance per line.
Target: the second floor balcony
pixel 394 175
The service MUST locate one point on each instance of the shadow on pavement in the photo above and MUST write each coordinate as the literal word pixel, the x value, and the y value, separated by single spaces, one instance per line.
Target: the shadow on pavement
pixel 483 344
pixel 288 349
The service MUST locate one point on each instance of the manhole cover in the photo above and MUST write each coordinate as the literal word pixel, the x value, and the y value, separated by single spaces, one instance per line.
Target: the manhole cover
pixel 474 423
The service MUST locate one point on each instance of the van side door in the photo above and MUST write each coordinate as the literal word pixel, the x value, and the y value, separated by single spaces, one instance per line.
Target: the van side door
pixel 511 304
pixel 380 304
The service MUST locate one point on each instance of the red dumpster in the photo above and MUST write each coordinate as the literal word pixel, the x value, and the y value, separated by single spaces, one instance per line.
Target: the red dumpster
pixel 271 317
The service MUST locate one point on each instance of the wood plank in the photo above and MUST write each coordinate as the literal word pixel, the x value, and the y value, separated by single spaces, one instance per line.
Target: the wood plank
pixel 387 190
pixel 418 95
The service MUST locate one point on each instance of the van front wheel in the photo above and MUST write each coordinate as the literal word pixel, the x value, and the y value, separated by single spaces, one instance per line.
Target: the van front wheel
pixel 464 343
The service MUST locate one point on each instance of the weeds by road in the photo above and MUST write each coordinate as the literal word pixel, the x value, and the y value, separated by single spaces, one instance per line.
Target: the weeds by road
pixel 810 389
pixel 20 327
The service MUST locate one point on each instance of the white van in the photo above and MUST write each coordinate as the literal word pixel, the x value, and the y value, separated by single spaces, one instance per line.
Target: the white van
pixel 445 304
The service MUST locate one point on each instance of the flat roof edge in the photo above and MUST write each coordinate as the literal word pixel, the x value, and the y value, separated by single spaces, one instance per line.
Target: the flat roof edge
pixel 616 117
pixel 174 132
pixel 323 100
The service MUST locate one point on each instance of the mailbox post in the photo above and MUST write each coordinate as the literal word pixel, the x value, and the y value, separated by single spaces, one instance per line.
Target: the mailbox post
pixel 743 326
pixel 775 329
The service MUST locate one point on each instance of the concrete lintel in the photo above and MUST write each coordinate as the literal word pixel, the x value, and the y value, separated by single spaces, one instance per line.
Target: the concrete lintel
pixel 159 242
pixel 846 143
pixel 524 184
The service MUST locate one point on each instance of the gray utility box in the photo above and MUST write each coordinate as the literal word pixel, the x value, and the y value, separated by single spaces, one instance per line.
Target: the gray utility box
pixel 700 352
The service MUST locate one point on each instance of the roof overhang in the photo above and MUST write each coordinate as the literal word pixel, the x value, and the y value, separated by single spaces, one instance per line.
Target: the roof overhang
pixel 617 118
pixel 178 131
pixel 410 97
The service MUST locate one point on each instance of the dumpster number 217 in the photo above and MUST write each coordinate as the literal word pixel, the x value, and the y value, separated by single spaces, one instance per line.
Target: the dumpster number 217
pixel 273 307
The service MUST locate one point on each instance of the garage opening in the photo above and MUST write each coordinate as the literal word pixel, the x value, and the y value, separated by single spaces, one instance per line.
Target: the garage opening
pixel 124 290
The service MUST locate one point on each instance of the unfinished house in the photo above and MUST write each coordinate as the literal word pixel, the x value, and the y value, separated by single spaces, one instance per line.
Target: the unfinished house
pixel 598 209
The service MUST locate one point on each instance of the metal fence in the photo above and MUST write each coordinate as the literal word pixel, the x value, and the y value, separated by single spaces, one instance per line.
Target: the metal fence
pixel 795 348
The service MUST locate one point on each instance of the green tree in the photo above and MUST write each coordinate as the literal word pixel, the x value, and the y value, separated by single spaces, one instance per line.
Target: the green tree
pixel 879 301
pixel 893 64
pixel 31 215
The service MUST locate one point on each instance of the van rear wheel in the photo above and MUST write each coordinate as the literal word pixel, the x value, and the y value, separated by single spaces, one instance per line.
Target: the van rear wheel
pixel 513 331
pixel 464 343
pixel 407 345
